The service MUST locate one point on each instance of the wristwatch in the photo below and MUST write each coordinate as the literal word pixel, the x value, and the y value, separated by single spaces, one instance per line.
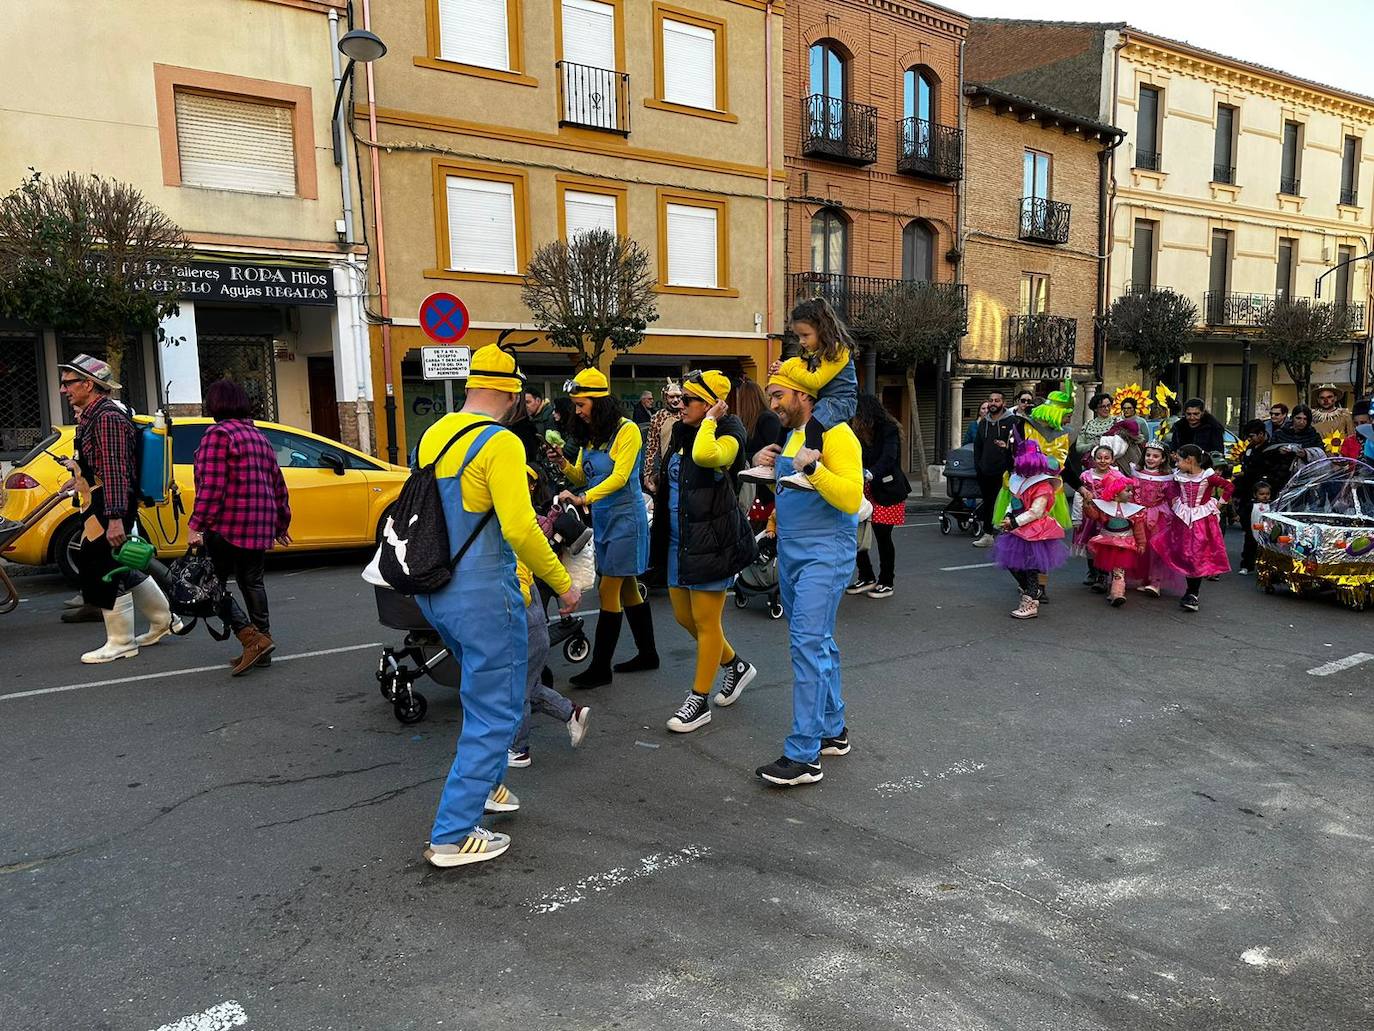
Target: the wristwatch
pixel 809 469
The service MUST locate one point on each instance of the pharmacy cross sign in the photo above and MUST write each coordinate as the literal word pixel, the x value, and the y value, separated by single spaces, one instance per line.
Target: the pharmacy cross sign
pixel 444 318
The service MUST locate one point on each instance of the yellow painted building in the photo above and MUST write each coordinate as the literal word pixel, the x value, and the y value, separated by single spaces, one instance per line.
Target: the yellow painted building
pixel 504 124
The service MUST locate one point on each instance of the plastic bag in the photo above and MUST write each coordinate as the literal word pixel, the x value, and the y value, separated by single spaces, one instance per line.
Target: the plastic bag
pixel 582 568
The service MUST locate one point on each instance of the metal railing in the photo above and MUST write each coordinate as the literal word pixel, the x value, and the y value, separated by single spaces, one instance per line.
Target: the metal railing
pixel 930 149
pixel 1044 221
pixel 593 98
pixel 1042 339
pixel 1355 312
pixel 848 295
pixel 1148 160
pixel 1220 308
pixel 1290 187
pixel 1224 174
pixel 1351 197
pixel 839 129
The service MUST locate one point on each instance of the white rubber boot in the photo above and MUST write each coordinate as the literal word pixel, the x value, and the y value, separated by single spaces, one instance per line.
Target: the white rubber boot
pixel 152 606
pixel 119 633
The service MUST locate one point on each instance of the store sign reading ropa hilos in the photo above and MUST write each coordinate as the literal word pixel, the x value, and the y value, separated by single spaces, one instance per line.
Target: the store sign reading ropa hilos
pixel 253 283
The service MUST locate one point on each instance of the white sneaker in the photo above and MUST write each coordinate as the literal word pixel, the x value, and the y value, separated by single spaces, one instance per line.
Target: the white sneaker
pixel 479 846
pixel 577 726
pixel 985 541
pixel 502 800
pixel 759 474
pixel 797 481
pixel 518 759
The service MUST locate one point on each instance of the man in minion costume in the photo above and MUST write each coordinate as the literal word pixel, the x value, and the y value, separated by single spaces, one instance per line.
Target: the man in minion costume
pixel 480 467
pixel 816 534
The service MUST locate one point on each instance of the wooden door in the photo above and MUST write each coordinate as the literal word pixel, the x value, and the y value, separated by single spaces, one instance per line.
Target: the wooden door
pixel 324 402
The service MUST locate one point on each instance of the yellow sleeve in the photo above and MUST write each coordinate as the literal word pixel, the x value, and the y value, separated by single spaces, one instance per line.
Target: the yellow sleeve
pixel 711 452
pixel 502 465
pixel 839 475
pixel 797 370
pixel 624 449
pixel 526 578
pixel 573 471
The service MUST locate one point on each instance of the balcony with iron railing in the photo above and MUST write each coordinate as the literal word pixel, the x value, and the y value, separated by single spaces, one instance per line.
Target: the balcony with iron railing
pixel 1224 174
pixel 1148 160
pixel 848 295
pixel 1355 312
pixel 1232 310
pixel 1350 196
pixel 1290 187
pixel 839 130
pixel 1044 221
pixel 1042 339
pixel 929 149
pixel 593 98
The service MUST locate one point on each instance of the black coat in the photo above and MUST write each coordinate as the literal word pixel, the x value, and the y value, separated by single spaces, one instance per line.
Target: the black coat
pixel 1210 435
pixel 714 538
pixel 988 458
pixel 883 459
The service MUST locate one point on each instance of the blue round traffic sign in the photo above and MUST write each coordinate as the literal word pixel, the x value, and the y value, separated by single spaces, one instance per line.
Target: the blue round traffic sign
pixel 444 318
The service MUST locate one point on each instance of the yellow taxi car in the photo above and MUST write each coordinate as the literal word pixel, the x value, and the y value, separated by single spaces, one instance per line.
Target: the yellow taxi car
pixel 339 496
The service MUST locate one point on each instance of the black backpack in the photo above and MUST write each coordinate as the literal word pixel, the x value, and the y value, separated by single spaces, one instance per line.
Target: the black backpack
pixel 414 556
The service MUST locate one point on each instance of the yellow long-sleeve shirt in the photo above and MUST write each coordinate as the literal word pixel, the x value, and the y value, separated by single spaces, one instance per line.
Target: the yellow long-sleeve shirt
pixel 814 380
pixel 712 452
pixel 839 473
pixel 626 445
pixel 496 479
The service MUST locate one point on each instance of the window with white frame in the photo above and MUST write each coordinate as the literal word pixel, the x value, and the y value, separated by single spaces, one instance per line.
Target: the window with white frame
pixel 584 211
pixel 693 246
pixel 229 144
pixel 481 226
pixel 689 64
pixel 475 32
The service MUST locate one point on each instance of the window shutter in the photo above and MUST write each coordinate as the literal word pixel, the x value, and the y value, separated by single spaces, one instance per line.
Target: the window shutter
pixel 692 246
pixel 589 33
pixel 481 226
pixel 474 32
pixel 228 144
pixel 584 211
pixel 689 64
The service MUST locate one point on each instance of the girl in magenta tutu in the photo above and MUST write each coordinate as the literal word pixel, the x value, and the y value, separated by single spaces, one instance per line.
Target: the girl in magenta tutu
pixel 1152 479
pixel 1033 541
pixel 1085 515
pixel 1189 541
pixel 1118 547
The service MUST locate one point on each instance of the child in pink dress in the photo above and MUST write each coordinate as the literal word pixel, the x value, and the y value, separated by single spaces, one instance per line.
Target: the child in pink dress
pixel 1032 541
pixel 1152 479
pixel 1190 541
pixel 1118 547
pixel 1086 516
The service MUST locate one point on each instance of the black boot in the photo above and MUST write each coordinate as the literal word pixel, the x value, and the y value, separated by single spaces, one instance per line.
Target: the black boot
pixel 598 673
pixel 641 622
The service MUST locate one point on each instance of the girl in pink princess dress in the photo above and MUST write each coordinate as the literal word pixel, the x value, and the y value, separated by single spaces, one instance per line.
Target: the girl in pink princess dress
pixel 1118 547
pixel 1086 517
pixel 1189 542
pixel 1152 479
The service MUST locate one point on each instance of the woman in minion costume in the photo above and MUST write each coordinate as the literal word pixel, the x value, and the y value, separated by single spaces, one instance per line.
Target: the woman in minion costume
pixel 607 469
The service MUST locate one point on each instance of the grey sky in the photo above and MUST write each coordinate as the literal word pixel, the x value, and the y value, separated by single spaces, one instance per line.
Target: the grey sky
pixel 1326 40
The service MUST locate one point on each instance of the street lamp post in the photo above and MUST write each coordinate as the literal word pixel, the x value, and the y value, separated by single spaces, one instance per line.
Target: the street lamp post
pixel 357 45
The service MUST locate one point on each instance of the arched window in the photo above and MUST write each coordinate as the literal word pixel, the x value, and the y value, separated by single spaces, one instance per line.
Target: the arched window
pixel 918 252
pixel 918 112
pixel 827 70
pixel 829 242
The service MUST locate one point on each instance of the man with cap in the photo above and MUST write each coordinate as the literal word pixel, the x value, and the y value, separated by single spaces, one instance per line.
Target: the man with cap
pixel 817 540
pixel 103 466
pixel 608 470
pixel 1328 417
pixel 480 613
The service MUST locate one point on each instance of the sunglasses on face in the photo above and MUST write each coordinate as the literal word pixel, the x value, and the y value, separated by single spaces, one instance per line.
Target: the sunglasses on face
pixel 68 382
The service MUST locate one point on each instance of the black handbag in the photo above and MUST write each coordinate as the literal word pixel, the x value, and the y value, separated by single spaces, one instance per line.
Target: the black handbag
pixel 195 592
pixel 892 488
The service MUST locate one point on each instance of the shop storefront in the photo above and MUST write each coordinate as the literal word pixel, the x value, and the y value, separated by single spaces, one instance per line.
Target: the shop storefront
pixel 971 383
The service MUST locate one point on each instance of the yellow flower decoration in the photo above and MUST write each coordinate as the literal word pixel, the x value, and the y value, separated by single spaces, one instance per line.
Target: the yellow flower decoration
pixel 1132 392
pixel 1237 450
pixel 1333 443
pixel 1163 395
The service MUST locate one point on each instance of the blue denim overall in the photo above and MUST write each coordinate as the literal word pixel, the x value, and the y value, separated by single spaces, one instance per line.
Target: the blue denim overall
pixel 817 544
pixel 480 615
pixel 620 524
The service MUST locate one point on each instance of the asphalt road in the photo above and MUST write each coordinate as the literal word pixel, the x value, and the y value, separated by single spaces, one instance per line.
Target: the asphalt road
pixel 1098 819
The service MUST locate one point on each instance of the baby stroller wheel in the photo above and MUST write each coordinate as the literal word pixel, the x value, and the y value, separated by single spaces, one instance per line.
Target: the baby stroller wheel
pixel 643 590
pixel 972 528
pixel 387 675
pixel 945 526
pixel 576 649
pixel 775 610
pixel 410 706
pixel 740 600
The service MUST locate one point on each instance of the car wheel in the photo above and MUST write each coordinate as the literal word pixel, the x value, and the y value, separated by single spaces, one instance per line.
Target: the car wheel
pixel 66 545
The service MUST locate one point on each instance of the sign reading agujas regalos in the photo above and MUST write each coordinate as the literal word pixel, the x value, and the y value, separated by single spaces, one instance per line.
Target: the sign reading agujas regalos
pixel 249 282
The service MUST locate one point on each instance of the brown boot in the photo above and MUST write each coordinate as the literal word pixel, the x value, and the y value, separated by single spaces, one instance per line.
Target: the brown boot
pixel 256 644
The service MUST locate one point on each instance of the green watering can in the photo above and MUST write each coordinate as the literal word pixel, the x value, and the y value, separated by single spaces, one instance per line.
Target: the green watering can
pixel 135 555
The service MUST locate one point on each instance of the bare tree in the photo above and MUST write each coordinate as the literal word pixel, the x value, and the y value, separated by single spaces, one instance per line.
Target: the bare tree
pixel 1299 334
pixel 1157 326
pixel 84 252
pixel 590 293
pixel 915 324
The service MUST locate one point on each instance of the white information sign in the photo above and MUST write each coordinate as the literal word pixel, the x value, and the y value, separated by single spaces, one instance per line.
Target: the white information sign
pixel 445 362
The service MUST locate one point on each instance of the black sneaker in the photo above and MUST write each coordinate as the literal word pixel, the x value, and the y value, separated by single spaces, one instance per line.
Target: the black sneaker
pixel 737 677
pixel 1189 603
pixel 837 745
pixel 786 774
pixel 860 586
pixel 694 712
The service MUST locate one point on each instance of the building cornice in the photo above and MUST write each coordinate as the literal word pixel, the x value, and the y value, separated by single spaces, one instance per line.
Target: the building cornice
pixel 928 16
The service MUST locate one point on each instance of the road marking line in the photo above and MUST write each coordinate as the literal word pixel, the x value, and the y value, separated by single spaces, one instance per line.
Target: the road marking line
pixel 904 526
pixel 1349 662
pixel 561 898
pixel 216 1018
pixel 180 672
pixel 976 565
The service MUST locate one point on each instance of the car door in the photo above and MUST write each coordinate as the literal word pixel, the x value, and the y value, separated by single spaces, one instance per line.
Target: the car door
pixel 330 500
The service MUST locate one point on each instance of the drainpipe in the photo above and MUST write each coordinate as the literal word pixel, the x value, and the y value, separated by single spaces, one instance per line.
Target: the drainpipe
pixel 768 165
pixel 379 244
pixel 1106 217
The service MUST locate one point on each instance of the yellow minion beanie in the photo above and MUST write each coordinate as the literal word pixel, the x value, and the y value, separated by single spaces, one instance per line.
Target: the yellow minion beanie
pixel 711 386
pixel 493 368
pixel 781 379
pixel 590 383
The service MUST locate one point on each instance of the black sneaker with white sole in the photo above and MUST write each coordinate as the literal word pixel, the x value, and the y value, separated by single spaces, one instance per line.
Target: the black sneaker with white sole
pixel 693 713
pixel 786 773
pixel 837 745
pixel 860 586
pixel 738 674
pixel 880 591
pixel 1189 603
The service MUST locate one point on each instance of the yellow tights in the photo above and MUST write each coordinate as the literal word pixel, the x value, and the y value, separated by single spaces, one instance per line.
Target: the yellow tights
pixel 618 593
pixel 699 612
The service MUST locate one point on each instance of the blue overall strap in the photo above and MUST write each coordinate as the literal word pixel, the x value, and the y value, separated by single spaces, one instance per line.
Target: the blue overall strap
pixel 491 430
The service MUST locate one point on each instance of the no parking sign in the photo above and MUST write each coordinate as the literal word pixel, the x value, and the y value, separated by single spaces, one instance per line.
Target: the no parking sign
pixel 444 318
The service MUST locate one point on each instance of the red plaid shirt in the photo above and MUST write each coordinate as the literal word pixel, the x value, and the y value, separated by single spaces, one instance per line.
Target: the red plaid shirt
pixel 240 493
pixel 106 439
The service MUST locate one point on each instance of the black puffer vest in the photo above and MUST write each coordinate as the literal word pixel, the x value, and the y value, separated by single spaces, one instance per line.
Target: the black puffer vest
pixel 714 538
